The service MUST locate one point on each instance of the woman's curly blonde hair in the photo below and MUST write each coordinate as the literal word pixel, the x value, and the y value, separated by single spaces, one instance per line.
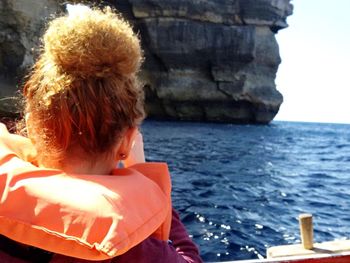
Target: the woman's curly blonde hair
pixel 83 90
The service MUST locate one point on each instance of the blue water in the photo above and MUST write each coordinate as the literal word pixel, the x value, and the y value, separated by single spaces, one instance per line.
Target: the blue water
pixel 240 188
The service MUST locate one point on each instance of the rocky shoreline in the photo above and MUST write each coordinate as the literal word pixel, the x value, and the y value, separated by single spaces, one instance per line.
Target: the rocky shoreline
pixel 204 60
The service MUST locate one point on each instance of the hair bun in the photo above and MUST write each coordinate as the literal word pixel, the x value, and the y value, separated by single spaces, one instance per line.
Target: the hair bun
pixel 93 43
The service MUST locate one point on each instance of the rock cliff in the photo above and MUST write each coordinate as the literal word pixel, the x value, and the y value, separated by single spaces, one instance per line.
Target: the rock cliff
pixel 206 60
pixel 21 24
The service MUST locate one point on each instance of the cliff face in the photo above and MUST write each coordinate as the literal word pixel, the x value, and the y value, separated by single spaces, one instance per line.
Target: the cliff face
pixel 21 24
pixel 208 60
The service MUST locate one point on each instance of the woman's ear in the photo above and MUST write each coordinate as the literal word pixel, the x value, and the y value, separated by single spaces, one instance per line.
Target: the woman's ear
pixel 126 143
pixel 137 153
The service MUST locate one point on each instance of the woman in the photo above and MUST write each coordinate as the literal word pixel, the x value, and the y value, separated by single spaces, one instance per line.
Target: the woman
pixel 83 105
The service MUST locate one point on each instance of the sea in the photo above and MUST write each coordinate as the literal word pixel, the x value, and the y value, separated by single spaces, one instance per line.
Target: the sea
pixel 239 189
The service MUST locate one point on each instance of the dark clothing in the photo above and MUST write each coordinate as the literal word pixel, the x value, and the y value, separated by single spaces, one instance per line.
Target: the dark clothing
pixel 181 249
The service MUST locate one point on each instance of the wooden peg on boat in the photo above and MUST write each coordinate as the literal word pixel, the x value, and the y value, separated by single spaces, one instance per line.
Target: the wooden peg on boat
pixel 337 251
pixel 306 231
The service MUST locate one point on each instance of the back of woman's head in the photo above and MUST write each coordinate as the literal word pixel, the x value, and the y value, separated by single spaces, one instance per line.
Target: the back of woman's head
pixel 83 91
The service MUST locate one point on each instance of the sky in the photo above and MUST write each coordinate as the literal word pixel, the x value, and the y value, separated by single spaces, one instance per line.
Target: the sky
pixel 314 76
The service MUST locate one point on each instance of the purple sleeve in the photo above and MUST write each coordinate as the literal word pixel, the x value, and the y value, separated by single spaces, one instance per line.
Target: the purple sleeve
pixel 182 242
pixel 180 250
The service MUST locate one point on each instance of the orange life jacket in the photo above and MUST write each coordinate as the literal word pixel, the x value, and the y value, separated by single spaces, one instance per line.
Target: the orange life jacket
pixel 92 217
